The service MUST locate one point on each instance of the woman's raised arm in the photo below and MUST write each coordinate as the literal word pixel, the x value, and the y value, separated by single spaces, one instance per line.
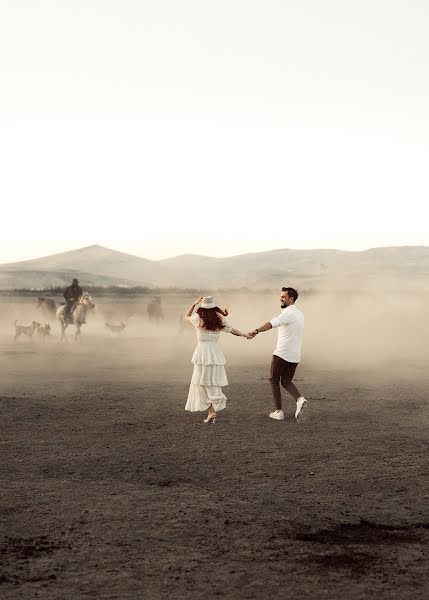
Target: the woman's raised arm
pixel 191 308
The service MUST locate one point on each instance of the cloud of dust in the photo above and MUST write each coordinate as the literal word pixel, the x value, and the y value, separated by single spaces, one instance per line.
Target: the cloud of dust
pixel 362 329
pixel 366 328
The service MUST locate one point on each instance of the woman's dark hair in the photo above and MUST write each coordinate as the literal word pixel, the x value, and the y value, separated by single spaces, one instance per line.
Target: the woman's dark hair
pixel 211 318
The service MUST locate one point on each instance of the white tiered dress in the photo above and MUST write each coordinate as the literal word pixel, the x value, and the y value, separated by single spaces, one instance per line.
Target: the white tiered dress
pixel 209 374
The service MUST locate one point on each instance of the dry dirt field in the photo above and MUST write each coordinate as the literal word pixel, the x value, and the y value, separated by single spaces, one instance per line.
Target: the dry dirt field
pixel 110 490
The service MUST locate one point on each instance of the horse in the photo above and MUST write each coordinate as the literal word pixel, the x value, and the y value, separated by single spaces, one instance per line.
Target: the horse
pixel 48 306
pixel 77 315
pixel 154 309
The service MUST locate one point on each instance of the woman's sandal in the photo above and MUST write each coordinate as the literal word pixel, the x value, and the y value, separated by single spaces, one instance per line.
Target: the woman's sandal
pixel 211 419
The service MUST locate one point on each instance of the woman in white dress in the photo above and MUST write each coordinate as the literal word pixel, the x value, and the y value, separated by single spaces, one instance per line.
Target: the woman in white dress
pixel 209 376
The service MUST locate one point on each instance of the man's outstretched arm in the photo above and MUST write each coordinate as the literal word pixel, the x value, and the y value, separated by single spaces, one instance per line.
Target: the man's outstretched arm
pixel 260 329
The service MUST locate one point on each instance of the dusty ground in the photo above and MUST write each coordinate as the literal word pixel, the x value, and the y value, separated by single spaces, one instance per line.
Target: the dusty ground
pixel 110 490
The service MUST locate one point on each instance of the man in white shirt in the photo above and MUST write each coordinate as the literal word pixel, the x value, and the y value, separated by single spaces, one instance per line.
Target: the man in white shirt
pixel 287 354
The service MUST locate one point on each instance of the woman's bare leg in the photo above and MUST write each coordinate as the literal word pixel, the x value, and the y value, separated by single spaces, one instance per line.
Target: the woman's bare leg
pixel 210 415
pixel 211 411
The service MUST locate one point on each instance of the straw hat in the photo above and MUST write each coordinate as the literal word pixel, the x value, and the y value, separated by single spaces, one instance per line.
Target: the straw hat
pixel 208 302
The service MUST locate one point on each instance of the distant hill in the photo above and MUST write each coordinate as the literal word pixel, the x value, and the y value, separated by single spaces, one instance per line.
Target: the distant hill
pixel 96 265
pixel 96 260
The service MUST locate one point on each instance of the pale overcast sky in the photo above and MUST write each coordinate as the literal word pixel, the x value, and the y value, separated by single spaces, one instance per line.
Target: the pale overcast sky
pixel 212 127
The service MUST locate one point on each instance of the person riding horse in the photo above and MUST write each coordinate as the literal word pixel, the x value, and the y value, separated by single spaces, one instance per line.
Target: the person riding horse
pixel 71 295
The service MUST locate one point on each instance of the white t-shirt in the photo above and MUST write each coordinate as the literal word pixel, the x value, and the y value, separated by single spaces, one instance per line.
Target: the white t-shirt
pixel 289 339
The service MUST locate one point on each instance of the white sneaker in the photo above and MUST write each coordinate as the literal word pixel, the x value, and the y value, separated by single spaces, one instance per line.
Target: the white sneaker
pixel 277 414
pixel 301 405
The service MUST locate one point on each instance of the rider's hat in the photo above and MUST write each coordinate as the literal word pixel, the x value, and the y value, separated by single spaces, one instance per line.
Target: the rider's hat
pixel 75 281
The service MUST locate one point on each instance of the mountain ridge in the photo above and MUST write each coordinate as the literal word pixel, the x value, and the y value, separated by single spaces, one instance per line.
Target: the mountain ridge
pixel 98 265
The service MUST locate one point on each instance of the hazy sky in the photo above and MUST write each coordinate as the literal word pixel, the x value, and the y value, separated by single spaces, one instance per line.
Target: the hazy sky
pixel 216 127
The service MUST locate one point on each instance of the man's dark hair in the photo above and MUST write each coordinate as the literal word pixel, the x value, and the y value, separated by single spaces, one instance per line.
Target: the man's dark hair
pixel 292 293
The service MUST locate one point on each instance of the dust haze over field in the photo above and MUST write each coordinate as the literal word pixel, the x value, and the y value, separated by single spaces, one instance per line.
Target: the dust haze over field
pixel 110 489
pixel 361 329
pixel 368 336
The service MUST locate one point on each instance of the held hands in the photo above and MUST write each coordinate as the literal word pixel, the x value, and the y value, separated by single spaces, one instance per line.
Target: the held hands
pixel 252 334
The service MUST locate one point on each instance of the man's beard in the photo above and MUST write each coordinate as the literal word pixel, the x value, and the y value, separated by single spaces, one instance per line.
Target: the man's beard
pixel 283 305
